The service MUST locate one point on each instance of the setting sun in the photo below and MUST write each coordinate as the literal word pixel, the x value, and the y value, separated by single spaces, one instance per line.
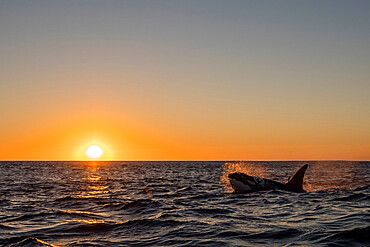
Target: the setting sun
pixel 94 152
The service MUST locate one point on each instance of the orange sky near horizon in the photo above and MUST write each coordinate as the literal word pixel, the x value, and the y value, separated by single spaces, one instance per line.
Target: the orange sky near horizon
pixel 184 81
pixel 69 137
pixel 121 141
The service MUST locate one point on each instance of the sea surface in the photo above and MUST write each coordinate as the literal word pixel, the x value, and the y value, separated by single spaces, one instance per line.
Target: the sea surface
pixel 181 204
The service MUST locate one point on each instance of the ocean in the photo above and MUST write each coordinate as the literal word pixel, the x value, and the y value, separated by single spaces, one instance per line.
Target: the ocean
pixel 181 204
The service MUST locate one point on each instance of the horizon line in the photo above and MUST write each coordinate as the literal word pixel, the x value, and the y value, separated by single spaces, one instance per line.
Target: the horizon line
pixel 311 160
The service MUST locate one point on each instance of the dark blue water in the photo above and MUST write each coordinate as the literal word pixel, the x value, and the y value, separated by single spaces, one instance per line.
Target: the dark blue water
pixel 181 204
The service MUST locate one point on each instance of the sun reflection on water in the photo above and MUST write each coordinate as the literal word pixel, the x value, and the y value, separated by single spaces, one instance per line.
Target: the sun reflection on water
pixel 94 184
pixel 90 222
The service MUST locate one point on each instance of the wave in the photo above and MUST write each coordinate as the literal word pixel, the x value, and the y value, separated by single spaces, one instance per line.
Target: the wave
pixel 353 198
pixel 361 188
pixel 349 237
pixel 279 234
pixel 4 202
pixel 84 227
pixel 77 198
pixel 6 228
pixel 80 202
pixel 31 242
pixel 212 211
pixel 52 213
pixel 138 205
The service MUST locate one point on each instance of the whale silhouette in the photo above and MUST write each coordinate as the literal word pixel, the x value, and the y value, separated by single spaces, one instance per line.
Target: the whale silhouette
pixel 243 183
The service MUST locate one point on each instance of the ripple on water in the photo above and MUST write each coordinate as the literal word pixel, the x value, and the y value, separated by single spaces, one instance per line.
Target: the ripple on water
pixel 179 204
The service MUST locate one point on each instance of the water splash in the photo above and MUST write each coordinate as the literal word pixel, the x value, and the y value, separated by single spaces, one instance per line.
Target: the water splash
pixel 250 168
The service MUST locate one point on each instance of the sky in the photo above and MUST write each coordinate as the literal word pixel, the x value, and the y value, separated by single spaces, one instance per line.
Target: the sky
pixel 185 80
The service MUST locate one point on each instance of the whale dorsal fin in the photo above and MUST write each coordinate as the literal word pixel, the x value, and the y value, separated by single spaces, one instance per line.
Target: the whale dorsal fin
pixel 297 180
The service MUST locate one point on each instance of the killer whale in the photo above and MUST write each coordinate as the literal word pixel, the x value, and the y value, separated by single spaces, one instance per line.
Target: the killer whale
pixel 243 183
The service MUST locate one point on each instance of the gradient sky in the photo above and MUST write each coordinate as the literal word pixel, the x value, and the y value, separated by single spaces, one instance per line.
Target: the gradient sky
pixel 185 80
